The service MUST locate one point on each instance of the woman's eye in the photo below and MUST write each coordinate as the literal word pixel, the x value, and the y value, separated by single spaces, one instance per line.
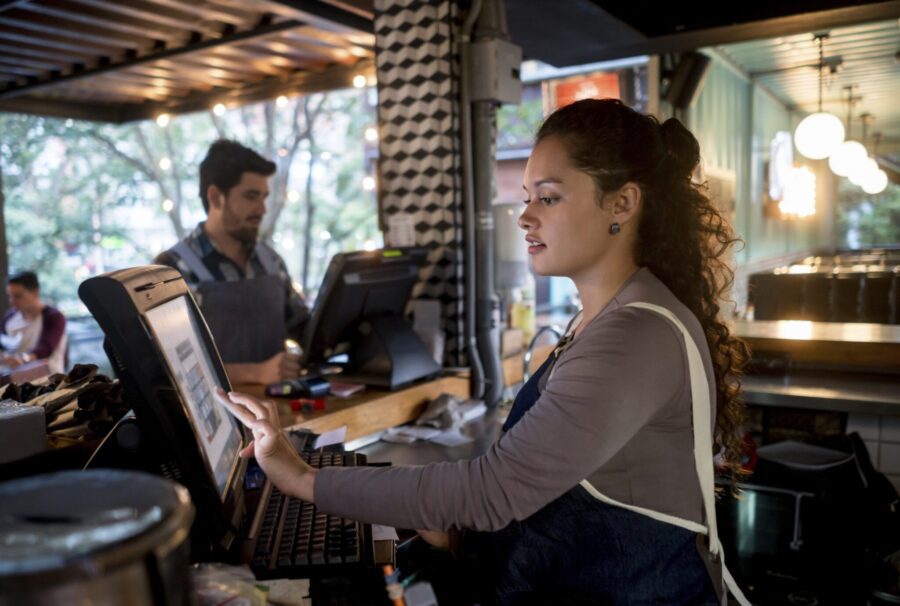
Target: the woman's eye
pixel 547 200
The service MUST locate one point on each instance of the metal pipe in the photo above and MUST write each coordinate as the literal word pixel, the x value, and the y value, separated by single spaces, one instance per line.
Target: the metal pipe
pixel 476 376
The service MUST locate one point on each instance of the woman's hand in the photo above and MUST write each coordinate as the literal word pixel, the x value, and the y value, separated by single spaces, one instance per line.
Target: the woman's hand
pixel 274 452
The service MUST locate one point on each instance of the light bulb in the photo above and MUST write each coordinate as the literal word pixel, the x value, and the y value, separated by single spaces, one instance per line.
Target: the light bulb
pixel 818 135
pixel 219 109
pixel 863 171
pixel 162 120
pixel 875 183
pixel 848 156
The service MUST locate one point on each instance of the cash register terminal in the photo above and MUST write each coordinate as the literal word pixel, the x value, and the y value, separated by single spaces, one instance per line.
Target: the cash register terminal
pixel 162 351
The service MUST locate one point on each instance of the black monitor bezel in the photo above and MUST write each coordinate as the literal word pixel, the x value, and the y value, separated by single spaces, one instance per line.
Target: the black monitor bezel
pixel 349 262
pixel 119 302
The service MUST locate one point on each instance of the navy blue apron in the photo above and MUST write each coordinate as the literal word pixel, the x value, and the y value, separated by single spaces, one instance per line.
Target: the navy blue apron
pixel 579 550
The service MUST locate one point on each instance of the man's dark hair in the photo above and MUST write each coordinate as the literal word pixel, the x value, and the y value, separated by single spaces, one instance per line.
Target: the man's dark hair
pixel 224 165
pixel 26 279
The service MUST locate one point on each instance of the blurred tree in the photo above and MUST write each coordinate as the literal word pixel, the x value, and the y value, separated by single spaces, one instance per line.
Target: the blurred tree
pixel 82 198
pixel 865 220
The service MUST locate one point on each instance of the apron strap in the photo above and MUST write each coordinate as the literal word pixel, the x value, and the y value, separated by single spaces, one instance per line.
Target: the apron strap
pixel 703 458
pixel 268 258
pixel 193 262
pixel 702 420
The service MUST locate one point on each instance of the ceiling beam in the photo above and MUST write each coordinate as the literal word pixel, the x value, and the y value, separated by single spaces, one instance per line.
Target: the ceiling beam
pixel 319 13
pixel 257 32
pixel 63 109
pixel 766 28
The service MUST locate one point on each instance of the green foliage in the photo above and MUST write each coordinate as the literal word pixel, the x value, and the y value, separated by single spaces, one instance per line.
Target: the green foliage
pixel 84 198
pixel 865 220
pixel 58 197
pixel 518 124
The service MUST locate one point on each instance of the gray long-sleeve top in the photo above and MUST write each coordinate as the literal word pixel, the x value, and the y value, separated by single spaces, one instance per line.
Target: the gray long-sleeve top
pixel 616 410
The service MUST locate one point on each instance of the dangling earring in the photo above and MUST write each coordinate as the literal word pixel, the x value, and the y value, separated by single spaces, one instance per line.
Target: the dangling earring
pixel 614 228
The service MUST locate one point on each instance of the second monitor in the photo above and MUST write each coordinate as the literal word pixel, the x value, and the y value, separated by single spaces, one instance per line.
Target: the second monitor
pixel 360 313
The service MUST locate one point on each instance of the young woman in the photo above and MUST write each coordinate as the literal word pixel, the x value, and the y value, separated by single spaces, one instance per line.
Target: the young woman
pixel 600 488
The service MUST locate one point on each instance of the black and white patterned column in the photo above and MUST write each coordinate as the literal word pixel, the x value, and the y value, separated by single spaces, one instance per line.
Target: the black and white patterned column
pixel 420 182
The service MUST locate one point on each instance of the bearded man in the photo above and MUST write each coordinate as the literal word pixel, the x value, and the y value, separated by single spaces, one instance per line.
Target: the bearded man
pixel 242 285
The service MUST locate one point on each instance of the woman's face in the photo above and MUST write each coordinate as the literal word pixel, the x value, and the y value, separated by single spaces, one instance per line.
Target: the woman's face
pixel 566 229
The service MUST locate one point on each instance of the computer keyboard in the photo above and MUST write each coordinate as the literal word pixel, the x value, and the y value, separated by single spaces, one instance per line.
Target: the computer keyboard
pixel 295 539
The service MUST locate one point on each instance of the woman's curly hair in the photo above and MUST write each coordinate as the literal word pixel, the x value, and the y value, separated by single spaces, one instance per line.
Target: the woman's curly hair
pixel 682 237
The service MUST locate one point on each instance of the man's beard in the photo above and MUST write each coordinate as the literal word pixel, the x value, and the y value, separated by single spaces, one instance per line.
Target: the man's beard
pixel 246 234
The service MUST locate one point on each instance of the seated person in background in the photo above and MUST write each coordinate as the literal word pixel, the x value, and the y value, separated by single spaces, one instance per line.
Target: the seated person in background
pixel 241 284
pixel 32 330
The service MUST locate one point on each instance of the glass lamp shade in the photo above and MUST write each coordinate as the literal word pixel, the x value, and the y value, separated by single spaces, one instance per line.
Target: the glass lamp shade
pixel 866 169
pixel 847 157
pixel 875 183
pixel 818 135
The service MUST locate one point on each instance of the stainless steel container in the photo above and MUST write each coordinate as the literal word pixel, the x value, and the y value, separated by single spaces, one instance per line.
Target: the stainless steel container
pixel 100 537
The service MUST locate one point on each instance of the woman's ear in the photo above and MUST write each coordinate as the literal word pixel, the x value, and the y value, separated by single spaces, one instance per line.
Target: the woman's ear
pixel 626 202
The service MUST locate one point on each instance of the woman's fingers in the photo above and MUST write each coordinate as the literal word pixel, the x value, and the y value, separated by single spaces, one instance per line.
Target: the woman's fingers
pixel 244 415
pixel 251 403
pixel 272 412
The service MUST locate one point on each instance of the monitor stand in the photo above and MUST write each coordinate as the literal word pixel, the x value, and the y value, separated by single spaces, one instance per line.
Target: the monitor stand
pixel 389 354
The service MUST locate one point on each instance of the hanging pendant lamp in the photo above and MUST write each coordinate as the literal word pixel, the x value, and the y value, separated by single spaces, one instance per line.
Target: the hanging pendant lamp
pixel 818 135
pixel 848 156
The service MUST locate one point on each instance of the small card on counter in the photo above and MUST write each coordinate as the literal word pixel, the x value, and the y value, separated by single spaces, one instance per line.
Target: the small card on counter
pixel 335 436
pixel 344 390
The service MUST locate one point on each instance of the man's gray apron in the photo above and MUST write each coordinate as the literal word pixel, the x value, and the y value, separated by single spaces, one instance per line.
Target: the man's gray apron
pixel 246 317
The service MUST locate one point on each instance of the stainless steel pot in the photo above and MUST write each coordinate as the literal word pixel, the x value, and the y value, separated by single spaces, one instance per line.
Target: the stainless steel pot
pixel 100 537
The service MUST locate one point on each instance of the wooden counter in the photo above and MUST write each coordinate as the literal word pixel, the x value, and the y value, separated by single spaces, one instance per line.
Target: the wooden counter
pixel 369 411
pixel 845 344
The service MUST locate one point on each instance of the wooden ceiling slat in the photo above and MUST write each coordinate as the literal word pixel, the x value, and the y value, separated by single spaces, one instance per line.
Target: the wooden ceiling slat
pixel 26 61
pixel 227 72
pixel 64 43
pixel 294 58
pixel 136 92
pixel 327 39
pixel 145 81
pixel 363 8
pixel 237 64
pixel 220 74
pixel 19 70
pixel 239 17
pixel 112 22
pixel 177 71
pixel 38 52
pixel 163 15
pixel 292 50
pixel 318 14
pixel 60 27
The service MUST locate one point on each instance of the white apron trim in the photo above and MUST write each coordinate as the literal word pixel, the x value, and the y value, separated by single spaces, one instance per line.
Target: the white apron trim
pixel 703 446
